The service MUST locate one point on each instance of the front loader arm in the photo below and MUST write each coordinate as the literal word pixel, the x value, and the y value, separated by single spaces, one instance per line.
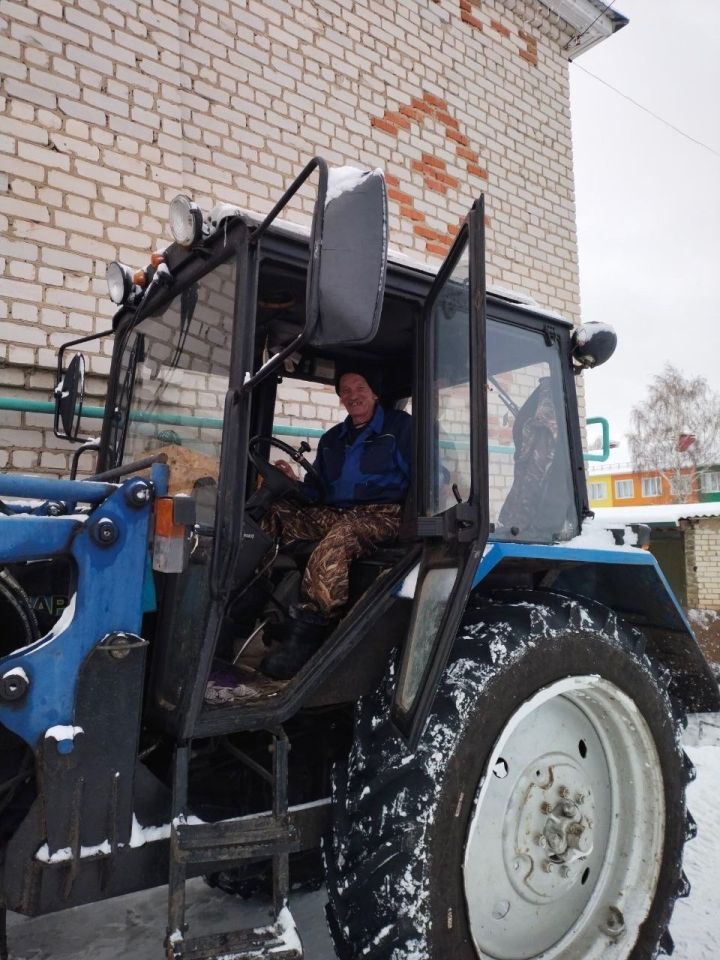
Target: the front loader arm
pixel 109 547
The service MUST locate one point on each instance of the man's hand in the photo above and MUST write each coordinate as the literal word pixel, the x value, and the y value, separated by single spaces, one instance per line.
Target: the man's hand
pixel 284 467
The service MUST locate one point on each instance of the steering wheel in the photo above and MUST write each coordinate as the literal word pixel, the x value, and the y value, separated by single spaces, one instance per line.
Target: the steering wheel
pixel 277 482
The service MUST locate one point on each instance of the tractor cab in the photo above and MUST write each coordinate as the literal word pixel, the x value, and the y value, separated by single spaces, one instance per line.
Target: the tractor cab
pixel 239 307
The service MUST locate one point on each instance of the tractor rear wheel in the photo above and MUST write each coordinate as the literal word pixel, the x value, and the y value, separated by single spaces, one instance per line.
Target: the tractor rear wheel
pixel 542 813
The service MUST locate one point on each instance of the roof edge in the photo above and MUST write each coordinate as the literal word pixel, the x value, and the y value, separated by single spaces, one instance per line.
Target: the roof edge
pixel 591 21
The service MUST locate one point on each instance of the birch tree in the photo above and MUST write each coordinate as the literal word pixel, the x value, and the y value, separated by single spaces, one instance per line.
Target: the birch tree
pixel 676 431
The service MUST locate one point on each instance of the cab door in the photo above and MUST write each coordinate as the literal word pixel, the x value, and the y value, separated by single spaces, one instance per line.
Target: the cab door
pixel 451 476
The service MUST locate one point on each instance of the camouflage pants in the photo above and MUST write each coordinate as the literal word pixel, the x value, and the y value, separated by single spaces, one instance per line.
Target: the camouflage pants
pixel 344 534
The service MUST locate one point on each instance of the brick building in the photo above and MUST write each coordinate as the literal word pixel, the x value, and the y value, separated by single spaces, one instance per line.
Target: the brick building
pixel 621 486
pixel 108 109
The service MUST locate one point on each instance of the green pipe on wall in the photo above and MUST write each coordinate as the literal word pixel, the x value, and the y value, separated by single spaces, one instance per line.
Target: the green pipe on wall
pixel 167 419
pixel 283 430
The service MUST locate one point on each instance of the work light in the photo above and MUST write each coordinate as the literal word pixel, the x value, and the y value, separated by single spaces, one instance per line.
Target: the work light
pixel 119 281
pixel 185 220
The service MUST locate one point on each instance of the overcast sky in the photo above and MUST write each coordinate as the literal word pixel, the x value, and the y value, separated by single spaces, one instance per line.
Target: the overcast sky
pixel 648 199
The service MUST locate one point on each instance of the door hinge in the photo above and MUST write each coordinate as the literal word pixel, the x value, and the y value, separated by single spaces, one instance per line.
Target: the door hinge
pixel 550 334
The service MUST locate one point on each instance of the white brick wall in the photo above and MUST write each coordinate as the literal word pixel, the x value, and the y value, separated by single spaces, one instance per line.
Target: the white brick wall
pixel 110 107
pixel 702 560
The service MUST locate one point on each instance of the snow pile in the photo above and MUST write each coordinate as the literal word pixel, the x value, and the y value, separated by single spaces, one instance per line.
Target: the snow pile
pixel 139 835
pixel 287 932
pixel 342 179
pixel 18 672
pixel 596 535
pixel 695 924
pixel 703 618
pixel 62 732
pixel 65 853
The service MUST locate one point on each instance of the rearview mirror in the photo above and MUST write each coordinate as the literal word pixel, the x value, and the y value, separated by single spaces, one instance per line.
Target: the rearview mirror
pixel 347 263
pixel 69 395
pixel 352 221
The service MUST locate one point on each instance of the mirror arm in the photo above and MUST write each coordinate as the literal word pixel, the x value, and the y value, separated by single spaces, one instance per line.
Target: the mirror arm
pixel 274 362
pixel 87 447
pixel 76 343
pixel 59 376
pixel 312 298
pixel 292 190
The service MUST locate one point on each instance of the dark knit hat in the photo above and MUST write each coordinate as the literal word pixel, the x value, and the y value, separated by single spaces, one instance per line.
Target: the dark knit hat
pixel 371 375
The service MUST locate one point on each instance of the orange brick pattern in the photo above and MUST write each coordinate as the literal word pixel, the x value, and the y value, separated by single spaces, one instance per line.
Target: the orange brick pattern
pixel 110 107
pixel 432 169
pixel 466 13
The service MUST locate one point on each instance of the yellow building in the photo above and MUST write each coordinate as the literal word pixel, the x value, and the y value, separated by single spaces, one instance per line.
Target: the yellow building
pixel 600 490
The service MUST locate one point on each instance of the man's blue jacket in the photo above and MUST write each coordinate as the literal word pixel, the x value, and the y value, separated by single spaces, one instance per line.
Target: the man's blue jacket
pixel 374 467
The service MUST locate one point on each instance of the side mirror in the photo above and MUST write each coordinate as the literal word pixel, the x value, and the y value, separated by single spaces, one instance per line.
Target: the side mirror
pixel 346 282
pixel 593 344
pixel 69 395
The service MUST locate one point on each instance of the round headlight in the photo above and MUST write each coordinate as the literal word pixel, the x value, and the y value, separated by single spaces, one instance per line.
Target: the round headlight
pixel 185 221
pixel 119 281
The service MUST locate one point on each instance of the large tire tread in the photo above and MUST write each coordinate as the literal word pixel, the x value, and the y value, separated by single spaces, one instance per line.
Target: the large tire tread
pixel 385 798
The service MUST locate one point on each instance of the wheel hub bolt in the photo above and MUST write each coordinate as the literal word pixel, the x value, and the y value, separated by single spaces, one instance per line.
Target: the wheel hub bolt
pixel 614 922
pixel 565 872
pixel 579 840
pixel 579 798
pixel 541 841
pixel 546 866
pixel 545 807
pixel 564 792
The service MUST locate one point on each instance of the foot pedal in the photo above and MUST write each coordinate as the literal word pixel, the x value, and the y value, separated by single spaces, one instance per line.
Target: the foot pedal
pixel 277 942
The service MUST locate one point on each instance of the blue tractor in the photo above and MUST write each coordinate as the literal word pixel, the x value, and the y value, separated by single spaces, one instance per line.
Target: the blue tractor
pixel 486 747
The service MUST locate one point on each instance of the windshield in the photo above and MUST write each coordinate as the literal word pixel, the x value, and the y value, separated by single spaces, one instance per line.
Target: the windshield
pixel 530 478
pixel 175 370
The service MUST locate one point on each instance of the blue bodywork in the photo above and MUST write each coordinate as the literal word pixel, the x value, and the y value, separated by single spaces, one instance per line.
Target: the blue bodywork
pixel 648 590
pixel 108 588
pixel 624 580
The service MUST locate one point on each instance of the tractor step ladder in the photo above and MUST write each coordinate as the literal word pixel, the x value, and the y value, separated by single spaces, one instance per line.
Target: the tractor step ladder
pixel 267 942
pixel 233 842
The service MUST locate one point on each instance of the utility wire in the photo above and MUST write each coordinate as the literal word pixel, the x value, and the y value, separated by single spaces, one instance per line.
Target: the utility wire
pixel 645 109
pixel 578 36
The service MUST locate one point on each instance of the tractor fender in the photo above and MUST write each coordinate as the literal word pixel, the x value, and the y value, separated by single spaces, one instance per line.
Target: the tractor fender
pixel 626 581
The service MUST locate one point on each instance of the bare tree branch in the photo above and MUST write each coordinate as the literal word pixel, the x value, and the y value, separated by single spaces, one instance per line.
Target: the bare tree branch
pixel 676 431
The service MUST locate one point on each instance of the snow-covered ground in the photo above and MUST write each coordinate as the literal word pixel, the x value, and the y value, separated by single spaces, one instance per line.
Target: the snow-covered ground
pixel 132 927
pixel 696 921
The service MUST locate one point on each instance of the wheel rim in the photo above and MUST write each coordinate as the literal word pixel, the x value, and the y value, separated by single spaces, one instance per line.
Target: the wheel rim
pixel 565 843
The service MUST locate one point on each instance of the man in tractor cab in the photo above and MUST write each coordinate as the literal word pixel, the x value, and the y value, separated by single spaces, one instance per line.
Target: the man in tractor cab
pixel 364 465
pixel 533 492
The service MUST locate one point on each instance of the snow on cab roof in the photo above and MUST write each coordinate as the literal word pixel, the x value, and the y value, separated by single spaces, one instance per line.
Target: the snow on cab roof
pixel 661 513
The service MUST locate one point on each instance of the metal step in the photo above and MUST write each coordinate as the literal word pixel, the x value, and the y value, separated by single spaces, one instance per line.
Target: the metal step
pixel 243 839
pixel 277 942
